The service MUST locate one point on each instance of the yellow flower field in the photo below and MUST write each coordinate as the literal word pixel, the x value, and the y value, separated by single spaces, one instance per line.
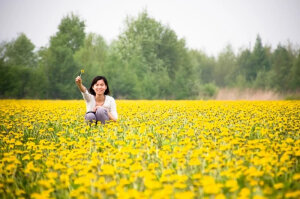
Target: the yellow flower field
pixel 157 149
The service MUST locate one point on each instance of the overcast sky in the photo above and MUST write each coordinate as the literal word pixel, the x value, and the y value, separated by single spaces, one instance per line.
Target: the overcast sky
pixel 205 25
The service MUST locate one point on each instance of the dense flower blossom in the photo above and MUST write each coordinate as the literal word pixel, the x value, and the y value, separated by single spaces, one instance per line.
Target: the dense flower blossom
pixel 157 149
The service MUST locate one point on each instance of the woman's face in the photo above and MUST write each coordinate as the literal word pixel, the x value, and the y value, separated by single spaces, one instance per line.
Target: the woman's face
pixel 100 87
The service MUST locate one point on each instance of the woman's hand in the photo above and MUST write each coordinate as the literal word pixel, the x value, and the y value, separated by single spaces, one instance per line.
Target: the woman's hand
pixel 95 108
pixel 78 80
pixel 108 113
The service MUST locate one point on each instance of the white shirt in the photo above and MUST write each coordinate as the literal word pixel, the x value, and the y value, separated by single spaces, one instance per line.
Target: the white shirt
pixel 109 103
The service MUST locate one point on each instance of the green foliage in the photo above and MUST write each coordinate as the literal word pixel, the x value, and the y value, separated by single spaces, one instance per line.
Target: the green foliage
pixel 122 80
pixel 262 80
pixel 17 66
pixel 225 67
pixel 260 58
pixel 19 52
pixel 159 59
pixel 244 62
pixel 92 57
pixel 293 96
pixel 281 67
pixel 295 73
pixel 60 64
pixel 203 69
pixel 15 81
pixel 70 33
pixel 146 61
pixel 240 81
pixel 207 91
pixel 253 62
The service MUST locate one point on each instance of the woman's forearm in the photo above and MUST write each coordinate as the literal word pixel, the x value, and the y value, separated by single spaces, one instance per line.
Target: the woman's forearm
pixel 81 88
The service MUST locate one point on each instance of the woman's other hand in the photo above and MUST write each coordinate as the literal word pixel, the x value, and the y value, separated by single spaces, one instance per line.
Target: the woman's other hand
pixel 95 108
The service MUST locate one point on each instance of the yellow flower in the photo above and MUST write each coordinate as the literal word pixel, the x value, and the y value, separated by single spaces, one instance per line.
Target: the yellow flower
pixel 45 183
pixel 194 162
pixel 220 196
pixel 185 195
pixel 20 192
pixel 296 176
pixel 107 169
pixel 37 157
pixel 81 72
pixel 30 167
pixel 18 143
pixel 210 186
pixel 159 149
pixel 152 184
pixel 258 197
pixel 52 175
pixel 244 193
pixel 26 157
pixel 232 184
pixel 295 194
pixel 278 186
pixel 44 195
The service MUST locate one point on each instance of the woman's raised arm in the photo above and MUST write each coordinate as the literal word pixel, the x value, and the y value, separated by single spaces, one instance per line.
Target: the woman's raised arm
pixel 78 81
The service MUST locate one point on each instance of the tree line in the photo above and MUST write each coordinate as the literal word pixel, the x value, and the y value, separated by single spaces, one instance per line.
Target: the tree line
pixel 146 61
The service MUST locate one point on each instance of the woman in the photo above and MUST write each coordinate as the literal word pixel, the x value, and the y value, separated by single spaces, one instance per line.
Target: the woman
pixel 99 105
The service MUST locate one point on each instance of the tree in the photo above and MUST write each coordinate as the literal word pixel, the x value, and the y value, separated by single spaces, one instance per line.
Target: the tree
pixel 122 80
pixel 20 52
pixel 147 48
pixel 295 73
pixel 17 62
pixel 259 61
pixel 225 67
pixel 92 56
pixel 60 64
pixel 251 63
pixel 203 66
pixel 244 63
pixel 281 69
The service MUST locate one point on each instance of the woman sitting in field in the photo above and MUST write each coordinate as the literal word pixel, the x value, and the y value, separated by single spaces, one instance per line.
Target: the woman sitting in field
pixel 99 105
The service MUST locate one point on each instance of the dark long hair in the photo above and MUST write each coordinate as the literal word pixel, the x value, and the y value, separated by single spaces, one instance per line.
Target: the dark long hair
pixel 97 78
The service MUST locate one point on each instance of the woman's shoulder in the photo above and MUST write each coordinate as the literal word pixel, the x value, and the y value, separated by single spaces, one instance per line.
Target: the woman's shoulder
pixel 110 98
